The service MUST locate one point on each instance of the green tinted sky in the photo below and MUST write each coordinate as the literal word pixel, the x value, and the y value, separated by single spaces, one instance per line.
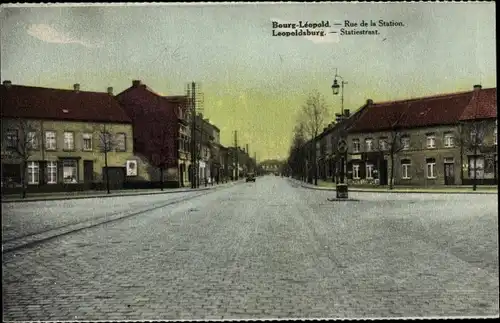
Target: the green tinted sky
pixel 252 82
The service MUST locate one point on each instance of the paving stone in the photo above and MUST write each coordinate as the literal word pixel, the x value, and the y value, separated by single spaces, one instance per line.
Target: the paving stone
pixel 259 252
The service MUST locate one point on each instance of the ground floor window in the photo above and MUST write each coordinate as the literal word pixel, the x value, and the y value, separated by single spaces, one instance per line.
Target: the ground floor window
pixel 369 171
pixel 51 172
pixel 431 168
pixel 476 167
pixel 33 172
pixel 70 171
pixel 355 171
pixel 405 168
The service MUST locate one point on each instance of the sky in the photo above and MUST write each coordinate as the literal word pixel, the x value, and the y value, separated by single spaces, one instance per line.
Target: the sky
pixel 253 82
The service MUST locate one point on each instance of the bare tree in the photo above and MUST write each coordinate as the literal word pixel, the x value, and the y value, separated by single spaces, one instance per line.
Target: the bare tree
pixel 296 154
pixel 470 137
pixel 21 139
pixel 106 145
pixel 395 144
pixel 313 117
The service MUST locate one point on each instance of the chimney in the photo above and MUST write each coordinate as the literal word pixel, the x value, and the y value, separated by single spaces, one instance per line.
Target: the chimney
pixel 76 87
pixel 347 113
pixel 477 87
pixel 369 102
pixel 7 83
pixel 110 90
pixel 136 83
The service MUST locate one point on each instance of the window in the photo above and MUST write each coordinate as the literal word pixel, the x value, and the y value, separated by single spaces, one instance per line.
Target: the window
pixel 106 142
pixel 405 142
pixel 32 140
pixel 355 171
pixel 33 172
pixel 87 141
pixel 431 168
pixel 11 138
pixel 478 167
pixel 405 169
pixel 431 141
pixel 475 137
pixel 69 140
pixel 70 174
pixel 449 140
pixel 355 146
pixel 50 140
pixel 120 142
pixel 51 172
pixel 382 143
pixel 369 144
pixel 369 171
pixel 495 133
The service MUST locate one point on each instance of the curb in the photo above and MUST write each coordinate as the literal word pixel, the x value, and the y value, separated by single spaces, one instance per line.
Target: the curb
pixel 19 200
pixel 367 190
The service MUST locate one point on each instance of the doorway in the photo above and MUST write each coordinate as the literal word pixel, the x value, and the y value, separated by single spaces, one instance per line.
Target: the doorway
pixel 449 174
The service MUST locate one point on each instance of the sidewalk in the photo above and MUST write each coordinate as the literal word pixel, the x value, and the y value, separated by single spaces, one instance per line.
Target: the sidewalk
pixel 34 197
pixel 329 186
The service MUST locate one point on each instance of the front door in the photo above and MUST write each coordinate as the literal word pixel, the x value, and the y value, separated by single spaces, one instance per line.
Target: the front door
pixel 88 171
pixel 449 174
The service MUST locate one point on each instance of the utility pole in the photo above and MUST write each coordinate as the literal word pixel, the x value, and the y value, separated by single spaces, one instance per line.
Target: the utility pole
pixel 194 165
pixel 237 154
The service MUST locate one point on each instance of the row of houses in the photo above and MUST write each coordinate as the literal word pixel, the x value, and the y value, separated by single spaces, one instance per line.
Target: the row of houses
pixel 58 140
pixel 448 139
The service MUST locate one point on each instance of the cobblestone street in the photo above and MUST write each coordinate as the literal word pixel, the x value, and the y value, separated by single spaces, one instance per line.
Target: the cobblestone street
pixel 256 250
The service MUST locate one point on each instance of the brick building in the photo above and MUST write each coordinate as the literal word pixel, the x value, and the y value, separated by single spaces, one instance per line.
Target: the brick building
pixel 62 138
pixel 158 124
pixel 423 141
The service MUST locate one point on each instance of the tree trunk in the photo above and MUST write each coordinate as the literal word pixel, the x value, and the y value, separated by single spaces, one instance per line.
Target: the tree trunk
pixel 161 178
pixel 391 178
pixel 23 179
pixel 315 166
pixel 474 184
pixel 106 170
pixel 461 163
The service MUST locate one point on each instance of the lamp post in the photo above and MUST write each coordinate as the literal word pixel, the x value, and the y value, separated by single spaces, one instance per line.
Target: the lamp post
pixel 342 191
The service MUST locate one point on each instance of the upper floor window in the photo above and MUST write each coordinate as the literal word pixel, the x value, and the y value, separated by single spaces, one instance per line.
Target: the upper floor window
pixel 32 140
pixel 121 142
pixel 382 143
pixel 475 137
pixel 106 142
pixel 69 140
pixel 50 140
pixel 405 142
pixel 449 140
pixel 355 146
pixel 11 138
pixel 369 144
pixel 87 141
pixel 431 141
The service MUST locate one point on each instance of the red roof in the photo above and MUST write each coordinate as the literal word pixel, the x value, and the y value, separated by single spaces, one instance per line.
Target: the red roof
pixel 483 106
pixel 420 112
pixel 58 104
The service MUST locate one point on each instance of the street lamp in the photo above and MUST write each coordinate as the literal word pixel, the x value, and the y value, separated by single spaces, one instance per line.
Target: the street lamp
pixel 342 190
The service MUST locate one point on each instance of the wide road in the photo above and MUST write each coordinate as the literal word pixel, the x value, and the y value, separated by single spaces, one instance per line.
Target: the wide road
pixel 267 249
